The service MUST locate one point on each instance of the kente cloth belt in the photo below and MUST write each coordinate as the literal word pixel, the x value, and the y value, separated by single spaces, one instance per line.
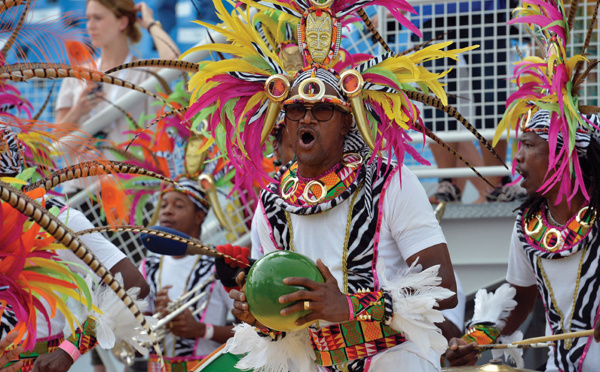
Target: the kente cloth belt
pixel 343 342
pixel 42 346
pixel 174 364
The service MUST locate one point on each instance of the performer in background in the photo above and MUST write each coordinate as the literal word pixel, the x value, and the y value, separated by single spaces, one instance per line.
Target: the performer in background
pixel 191 337
pixel 554 249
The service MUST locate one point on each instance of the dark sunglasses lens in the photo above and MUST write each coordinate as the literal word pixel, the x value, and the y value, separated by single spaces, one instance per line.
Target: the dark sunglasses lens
pixel 295 112
pixel 323 112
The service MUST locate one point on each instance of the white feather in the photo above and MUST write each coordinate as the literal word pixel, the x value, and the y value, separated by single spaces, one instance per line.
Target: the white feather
pixel 415 296
pixel 494 307
pixel 291 353
pixel 510 355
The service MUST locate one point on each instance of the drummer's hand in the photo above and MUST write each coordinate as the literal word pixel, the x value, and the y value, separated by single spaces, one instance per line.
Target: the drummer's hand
pixel 241 310
pixel 162 300
pixel 325 300
pixel 186 326
pixel 460 353
pixel 597 332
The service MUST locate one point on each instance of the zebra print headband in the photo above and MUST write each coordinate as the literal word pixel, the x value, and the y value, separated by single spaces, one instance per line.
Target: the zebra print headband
pixel 191 190
pixel 540 125
pixel 11 150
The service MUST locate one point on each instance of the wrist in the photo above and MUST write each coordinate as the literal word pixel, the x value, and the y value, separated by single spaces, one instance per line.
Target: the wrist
pixel 209 331
pixel 70 349
pixel 154 23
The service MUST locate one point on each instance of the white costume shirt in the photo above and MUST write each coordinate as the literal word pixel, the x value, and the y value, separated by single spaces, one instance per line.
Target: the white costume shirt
pixel 104 250
pixel 407 228
pixel 562 274
pixel 174 272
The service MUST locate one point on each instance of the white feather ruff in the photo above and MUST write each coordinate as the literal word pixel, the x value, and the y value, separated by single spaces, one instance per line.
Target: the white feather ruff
pixel 494 307
pixel 291 353
pixel 415 296
pixel 116 323
pixel 510 355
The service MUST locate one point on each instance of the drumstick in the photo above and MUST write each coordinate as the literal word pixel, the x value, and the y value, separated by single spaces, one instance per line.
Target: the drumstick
pixel 561 336
pixel 515 346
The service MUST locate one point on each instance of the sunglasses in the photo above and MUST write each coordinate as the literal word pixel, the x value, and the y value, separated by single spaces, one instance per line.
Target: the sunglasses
pixel 320 111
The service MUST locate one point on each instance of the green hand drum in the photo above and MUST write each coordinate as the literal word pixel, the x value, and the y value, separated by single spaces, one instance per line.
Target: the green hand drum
pixel 264 286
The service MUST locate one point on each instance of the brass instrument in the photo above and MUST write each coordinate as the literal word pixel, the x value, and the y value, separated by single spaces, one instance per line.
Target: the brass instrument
pixel 126 354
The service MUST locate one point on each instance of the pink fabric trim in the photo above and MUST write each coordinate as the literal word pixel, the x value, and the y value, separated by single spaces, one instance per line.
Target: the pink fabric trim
pixel 589 342
pixel 270 228
pixel 378 228
pixel 143 268
pixel 350 308
pixel 368 364
pixel 70 349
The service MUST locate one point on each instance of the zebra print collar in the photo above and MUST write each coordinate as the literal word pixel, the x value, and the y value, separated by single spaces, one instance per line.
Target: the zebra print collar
pixel 569 356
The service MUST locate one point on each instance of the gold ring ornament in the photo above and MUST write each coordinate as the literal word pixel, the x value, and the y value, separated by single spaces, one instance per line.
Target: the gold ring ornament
pixel 559 239
pixel 537 229
pixel 308 96
pixel 353 164
pixel 351 83
pixel 277 89
pixel 306 305
pixel 309 187
pixel 291 189
pixel 524 120
pixel 321 4
pixel 580 215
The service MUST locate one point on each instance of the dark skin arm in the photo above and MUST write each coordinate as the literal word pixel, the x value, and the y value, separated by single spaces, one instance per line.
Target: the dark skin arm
pixel 460 353
pixel 186 326
pixel 328 303
pixel 59 360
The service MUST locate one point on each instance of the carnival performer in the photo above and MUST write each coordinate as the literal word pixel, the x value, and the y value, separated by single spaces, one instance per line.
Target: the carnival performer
pixel 364 219
pixel 52 352
pixel 197 331
pixel 554 249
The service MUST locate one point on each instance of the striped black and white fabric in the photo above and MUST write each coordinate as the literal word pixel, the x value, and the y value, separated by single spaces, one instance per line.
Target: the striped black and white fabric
pixel 587 299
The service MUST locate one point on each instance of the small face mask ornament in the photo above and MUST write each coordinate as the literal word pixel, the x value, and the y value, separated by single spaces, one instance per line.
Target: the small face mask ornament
pixel 319 33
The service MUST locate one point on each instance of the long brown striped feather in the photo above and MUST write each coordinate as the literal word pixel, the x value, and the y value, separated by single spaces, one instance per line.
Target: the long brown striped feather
pixel 92 168
pixel 6 5
pixel 26 71
pixel 363 15
pixel 162 63
pixel 30 208
pixel 572 13
pixel 581 77
pixel 439 141
pixel 179 111
pixel 586 43
pixel 41 110
pixel 121 110
pixel 209 251
pixel 437 103
pixel 13 36
pixel 423 45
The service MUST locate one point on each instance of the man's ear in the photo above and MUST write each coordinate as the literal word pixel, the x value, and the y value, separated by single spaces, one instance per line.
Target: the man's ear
pixel 346 123
pixel 199 217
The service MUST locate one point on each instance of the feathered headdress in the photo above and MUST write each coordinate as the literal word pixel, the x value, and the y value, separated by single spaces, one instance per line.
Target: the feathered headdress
pixel 242 97
pixel 550 82
pixel 31 269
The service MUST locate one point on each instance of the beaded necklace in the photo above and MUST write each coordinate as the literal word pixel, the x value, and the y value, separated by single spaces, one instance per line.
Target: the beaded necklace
pixel 187 281
pixel 346 237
